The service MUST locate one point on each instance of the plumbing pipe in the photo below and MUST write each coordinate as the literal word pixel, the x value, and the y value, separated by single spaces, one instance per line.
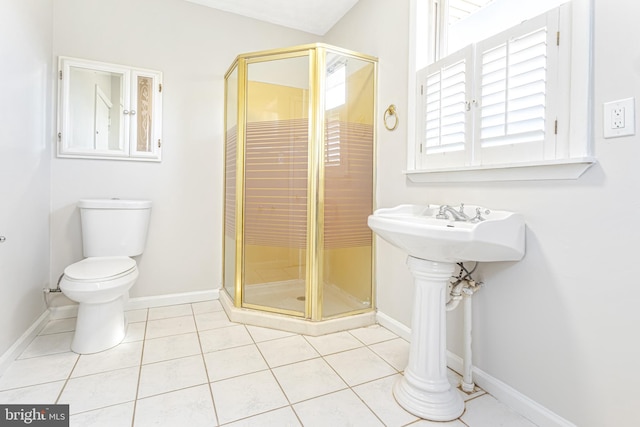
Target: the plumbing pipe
pixel 456 294
pixel 467 366
pixel 463 289
pixel 467 384
pixel 47 291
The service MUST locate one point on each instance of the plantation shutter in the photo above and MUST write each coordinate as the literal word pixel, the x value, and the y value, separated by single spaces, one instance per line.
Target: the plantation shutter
pixel 446 85
pixel 514 71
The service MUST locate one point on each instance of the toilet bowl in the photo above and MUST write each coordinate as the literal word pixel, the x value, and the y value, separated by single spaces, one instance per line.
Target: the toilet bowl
pixel 100 286
pixel 113 231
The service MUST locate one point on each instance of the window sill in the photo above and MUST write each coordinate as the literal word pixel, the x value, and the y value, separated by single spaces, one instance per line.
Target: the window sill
pixel 545 170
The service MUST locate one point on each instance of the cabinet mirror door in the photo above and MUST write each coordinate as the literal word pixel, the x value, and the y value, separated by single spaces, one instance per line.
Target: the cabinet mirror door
pixel 108 111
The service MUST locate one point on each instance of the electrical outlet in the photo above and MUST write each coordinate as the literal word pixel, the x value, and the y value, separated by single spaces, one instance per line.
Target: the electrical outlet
pixel 619 118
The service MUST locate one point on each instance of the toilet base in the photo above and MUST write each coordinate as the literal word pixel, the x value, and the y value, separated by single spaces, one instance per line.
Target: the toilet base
pixel 99 326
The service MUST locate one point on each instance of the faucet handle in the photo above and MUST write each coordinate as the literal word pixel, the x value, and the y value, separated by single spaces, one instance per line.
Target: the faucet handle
pixel 461 210
pixel 478 216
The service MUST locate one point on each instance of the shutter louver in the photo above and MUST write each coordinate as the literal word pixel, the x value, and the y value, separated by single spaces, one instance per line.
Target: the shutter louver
pixel 513 91
pixel 445 108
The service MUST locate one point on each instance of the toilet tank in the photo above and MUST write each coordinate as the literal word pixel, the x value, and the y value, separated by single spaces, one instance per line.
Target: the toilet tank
pixel 114 227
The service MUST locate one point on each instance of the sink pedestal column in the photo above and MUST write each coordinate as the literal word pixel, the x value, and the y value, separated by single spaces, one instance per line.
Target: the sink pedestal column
pixel 424 390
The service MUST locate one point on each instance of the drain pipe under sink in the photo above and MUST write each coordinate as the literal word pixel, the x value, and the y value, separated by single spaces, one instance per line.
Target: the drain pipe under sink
pixel 467 365
pixel 463 289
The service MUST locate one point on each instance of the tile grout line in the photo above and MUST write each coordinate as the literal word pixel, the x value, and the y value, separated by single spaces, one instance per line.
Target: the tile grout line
pixel 322 356
pixel 349 386
pixel 206 369
pixel 270 369
pixel 66 381
pixel 144 341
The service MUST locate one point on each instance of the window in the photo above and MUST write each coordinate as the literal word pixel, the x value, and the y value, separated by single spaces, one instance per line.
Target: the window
pixel 495 95
pixel 336 86
pixel 335 96
pixel 455 25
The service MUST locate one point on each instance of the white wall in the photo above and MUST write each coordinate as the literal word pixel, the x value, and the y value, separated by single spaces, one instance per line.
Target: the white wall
pixel 560 326
pixel 193 46
pixel 25 143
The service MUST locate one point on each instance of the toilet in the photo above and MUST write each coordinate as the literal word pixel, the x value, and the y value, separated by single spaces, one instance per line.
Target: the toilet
pixel 113 230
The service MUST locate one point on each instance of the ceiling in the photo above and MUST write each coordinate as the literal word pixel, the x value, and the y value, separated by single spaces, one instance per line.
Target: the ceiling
pixel 312 16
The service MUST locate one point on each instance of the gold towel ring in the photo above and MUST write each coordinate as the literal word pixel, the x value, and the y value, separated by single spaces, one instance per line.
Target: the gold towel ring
pixel 391 112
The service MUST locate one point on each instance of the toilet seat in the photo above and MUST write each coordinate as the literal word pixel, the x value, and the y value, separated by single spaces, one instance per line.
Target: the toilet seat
pixel 100 269
pixel 99 279
pixel 101 286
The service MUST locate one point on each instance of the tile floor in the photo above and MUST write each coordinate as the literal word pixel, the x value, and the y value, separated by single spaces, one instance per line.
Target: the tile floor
pixel 188 365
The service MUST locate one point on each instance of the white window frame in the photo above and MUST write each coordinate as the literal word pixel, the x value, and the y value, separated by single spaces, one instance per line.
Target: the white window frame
pixel 573 153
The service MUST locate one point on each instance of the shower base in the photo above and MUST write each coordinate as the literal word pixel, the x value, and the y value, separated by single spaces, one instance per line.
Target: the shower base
pixel 287 295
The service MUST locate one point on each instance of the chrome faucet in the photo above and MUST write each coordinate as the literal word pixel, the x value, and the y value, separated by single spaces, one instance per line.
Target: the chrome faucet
pixel 458 215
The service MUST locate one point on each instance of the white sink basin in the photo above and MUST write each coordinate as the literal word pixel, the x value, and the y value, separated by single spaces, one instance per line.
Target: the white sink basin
pixel 416 230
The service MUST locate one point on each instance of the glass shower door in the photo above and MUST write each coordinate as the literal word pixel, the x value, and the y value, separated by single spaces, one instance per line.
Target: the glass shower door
pixel 349 94
pixel 275 179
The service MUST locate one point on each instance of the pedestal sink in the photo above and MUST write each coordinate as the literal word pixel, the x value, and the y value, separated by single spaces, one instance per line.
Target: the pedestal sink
pixel 436 238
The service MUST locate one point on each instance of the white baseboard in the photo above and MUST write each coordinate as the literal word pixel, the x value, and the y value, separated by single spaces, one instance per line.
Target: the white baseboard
pixel 394 326
pixel 21 343
pixel 171 299
pixel 523 405
pixel 145 302
pixel 506 394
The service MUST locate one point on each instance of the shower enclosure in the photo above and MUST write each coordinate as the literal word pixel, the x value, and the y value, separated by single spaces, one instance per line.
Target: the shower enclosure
pixel 299 179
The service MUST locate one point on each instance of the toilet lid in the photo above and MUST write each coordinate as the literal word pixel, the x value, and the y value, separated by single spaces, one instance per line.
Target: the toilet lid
pixel 100 268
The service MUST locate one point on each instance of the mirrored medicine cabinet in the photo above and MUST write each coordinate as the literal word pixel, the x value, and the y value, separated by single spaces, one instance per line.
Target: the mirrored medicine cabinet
pixel 108 111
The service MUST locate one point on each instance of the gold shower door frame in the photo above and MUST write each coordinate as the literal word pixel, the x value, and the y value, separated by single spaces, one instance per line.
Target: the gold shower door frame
pixel 317 54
